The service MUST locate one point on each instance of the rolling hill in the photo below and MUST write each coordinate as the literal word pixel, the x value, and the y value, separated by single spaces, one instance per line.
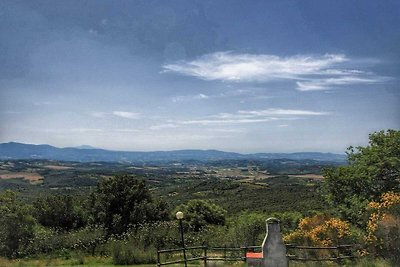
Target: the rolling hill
pixel 13 150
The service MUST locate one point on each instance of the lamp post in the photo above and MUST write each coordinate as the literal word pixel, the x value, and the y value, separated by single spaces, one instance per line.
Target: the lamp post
pixel 179 216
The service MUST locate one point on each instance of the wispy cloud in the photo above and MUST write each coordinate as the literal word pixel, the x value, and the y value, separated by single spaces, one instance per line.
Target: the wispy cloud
pixel 252 93
pixel 121 114
pixel 164 126
pixel 322 84
pixel 86 130
pixel 310 72
pixel 177 99
pixel 282 112
pixel 126 130
pixel 223 130
pixel 254 116
pixel 126 114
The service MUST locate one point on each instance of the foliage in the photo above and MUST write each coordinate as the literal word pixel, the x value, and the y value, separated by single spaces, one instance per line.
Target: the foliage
pixel 247 229
pixel 133 247
pixel 198 213
pixel 160 234
pixel 16 225
pixel 126 253
pixel 49 241
pixel 288 220
pixel 61 212
pixel 121 202
pixel 372 171
pixel 321 230
pixel 383 228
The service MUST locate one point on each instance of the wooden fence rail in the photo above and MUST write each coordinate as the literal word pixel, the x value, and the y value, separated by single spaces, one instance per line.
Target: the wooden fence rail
pixel 208 254
pixel 341 253
pixel 333 253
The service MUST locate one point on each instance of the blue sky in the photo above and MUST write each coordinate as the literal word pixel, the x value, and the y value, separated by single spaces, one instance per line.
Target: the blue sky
pixel 244 76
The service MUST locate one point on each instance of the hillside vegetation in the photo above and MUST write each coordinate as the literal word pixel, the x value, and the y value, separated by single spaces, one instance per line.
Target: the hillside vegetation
pixel 125 212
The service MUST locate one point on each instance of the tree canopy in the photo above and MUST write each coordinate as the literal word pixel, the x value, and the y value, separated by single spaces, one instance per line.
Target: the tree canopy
pixel 17 225
pixel 122 202
pixel 198 213
pixel 371 171
pixel 61 212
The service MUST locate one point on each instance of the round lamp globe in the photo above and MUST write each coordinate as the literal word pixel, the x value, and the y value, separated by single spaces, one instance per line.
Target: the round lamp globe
pixel 179 215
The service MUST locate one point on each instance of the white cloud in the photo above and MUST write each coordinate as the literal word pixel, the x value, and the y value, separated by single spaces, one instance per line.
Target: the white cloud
pixel 122 114
pixel 222 130
pixel 163 126
pixel 201 96
pixel 309 71
pixel 323 84
pixel 247 67
pixel 86 130
pixel 255 116
pixel 181 98
pixel 126 130
pixel 126 114
pixel 284 112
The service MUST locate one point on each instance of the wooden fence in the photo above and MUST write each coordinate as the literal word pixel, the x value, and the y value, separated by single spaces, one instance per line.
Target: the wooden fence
pixel 204 253
pixel 332 253
pixel 295 253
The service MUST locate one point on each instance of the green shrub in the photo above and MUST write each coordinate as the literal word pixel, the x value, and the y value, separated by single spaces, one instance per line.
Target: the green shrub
pixel 198 213
pixel 248 229
pixel 127 253
pixel 16 226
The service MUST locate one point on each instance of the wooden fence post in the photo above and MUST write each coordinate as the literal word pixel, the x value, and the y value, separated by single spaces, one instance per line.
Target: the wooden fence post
pixel 244 253
pixel 205 254
pixel 158 258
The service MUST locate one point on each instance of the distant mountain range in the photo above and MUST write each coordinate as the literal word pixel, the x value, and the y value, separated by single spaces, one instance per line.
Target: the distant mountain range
pixel 85 153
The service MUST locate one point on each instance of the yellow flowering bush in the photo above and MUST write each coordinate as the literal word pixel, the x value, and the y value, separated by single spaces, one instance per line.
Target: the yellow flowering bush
pixel 320 230
pixel 383 228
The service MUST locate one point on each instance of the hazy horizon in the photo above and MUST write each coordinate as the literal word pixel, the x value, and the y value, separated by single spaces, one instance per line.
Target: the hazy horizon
pixel 246 77
pixel 211 149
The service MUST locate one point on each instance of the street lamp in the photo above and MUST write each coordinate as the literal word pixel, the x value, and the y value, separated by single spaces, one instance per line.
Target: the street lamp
pixel 179 216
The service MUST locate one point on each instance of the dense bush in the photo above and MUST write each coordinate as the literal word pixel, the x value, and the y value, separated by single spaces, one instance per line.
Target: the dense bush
pixel 121 202
pixel 247 229
pixel 322 230
pixel 383 230
pixel 51 241
pixel 198 213
pixel 128 253
pixel 61 212
pixel 16 226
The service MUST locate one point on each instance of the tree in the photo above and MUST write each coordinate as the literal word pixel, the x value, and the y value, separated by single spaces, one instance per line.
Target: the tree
pixel 16 225
pixel 61 212
pixel 372 171
pixel 198 213
pixel 122 202
pixel 248 229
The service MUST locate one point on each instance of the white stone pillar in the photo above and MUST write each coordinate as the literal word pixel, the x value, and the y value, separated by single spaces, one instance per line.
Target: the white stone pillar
pixel 274 250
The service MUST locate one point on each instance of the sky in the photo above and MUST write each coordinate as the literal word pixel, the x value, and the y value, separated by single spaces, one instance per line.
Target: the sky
pixel 242 76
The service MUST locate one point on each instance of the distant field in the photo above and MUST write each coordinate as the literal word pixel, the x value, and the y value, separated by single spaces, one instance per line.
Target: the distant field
pixel 57 167
pixel 32 177
pixel 310 176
